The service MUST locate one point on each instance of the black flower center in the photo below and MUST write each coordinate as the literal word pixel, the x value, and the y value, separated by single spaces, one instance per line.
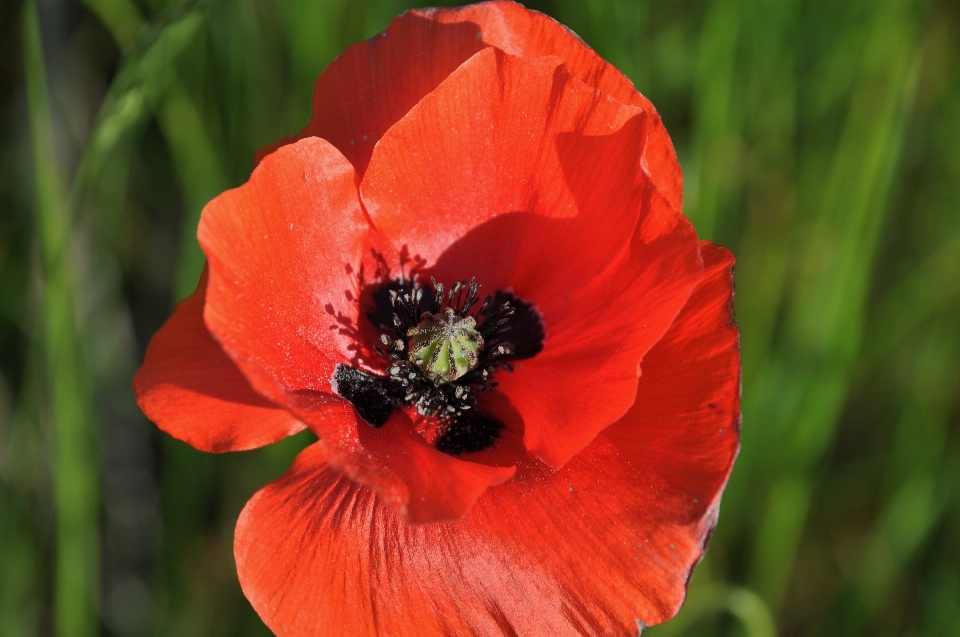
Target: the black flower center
pixel 443 350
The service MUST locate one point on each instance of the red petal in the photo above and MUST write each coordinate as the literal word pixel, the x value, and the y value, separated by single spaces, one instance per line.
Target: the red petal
pixel 586 376
pixel 508 135
pixel 420 483
pixel 369 86
pixel 519 31
pixel 372 84
pixel 437 487
pixel 194 392
pixel 284 250
pixel 534 192
pixel 685 424
pixel 587 549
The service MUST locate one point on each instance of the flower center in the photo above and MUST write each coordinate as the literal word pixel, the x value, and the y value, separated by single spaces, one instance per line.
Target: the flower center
pixel 443 353
pixel 444 346
pixel 451 352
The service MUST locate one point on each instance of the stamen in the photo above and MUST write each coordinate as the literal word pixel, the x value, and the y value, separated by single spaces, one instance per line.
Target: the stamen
pixel 444 348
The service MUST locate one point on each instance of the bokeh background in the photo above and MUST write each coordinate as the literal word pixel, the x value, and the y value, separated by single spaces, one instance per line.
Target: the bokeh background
pixel 820 140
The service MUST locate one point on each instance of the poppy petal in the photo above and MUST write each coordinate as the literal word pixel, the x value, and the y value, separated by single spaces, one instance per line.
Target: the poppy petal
pixel 528 193
pixel 433 486
pixel 420 483
pixel 318 554
pixel 599 547
pixel 685 423
pixel 522 32
pixel 478 169
pixel 285 252
pixel 191 389
pixel 284 249
pixel 585 550
pixel 585 378
pixel 373 84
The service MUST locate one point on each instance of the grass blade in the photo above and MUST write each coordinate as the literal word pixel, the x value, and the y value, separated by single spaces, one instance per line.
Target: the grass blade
pixel 75 476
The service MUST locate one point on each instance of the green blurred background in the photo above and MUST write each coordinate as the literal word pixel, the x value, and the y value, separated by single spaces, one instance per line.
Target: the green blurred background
pixel 820 140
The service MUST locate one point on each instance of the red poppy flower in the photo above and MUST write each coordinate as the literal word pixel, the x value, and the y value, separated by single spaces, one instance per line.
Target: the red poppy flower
pixel 548 461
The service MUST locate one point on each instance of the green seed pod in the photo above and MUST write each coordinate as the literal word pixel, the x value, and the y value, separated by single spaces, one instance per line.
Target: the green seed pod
pixel 444 346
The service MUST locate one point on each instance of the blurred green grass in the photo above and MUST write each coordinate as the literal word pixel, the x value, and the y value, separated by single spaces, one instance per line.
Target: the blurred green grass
pixel 818 140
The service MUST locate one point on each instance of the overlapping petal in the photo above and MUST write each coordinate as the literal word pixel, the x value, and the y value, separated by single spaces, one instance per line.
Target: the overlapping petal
pixel 685 423
pixel 283 251
pixel 418 482
pixel 592 548
pixel 373 84
pixel 563 553
pixel 521 32
pixel 370 86
pixel 516 173
pixel 436 487
pixel 586 376
pixel 194 391
pixel 508 135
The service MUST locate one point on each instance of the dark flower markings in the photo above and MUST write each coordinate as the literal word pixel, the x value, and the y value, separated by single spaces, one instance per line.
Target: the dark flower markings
pixel 373 398
pixel 511 329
